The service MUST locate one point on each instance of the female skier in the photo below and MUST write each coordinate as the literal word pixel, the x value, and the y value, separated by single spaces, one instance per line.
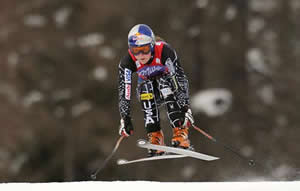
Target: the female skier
pixel 161 81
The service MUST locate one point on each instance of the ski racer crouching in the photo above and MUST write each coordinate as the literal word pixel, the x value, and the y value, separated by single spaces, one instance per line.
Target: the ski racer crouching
pixel 161 81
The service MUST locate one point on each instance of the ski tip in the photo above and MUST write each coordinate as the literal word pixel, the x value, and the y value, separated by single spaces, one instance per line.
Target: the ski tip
pixel 141 142
pixel 214 158
pixel 121 161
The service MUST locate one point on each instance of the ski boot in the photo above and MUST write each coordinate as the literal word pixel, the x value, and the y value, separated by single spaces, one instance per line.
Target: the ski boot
pixel 181 138
pixel 156 138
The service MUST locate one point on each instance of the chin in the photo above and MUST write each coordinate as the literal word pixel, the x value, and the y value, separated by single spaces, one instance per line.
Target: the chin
pixel 144 61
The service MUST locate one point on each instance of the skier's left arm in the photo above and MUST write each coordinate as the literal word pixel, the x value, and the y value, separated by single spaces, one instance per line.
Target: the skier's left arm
pixel 125 75
pixel 181 80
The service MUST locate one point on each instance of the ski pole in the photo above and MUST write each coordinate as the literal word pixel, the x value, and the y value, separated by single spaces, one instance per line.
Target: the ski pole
pixel 94 175
pixel 250 162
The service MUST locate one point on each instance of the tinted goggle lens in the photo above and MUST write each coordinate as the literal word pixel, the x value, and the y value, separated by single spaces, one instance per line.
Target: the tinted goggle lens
pixel 140 49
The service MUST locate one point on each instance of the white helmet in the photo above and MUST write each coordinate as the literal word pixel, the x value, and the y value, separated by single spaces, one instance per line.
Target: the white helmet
pixel 141 35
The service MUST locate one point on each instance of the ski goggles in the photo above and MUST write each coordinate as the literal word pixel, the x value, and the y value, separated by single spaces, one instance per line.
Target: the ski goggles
pixel 136 50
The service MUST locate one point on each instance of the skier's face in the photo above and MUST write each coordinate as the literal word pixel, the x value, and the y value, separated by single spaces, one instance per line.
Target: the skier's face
pixel 143 58
pixel 141 53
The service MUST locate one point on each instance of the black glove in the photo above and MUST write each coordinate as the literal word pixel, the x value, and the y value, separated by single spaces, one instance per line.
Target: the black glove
pixel 126 128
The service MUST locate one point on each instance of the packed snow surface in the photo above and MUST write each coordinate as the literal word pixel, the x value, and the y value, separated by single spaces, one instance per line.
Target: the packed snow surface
pixel 149 186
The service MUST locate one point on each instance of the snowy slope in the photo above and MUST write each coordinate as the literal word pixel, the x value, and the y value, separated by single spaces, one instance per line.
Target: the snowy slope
pixel 150 186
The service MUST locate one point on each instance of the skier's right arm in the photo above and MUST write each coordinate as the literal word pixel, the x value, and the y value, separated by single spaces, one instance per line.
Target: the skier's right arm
pixel 125 76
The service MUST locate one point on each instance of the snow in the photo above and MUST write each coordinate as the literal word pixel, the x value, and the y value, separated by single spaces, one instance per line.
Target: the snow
pixel 255 25
pixel 256 61
pixel 266 94
pixel 295 4
pixel 13 59
pixel 18 162
pixel 263 5
pixel 149 186
pixel 62 15
pixel 35 21
pixel 189 171
pixel 33 97
pixel 212 102
pixel 194 31
pixel 91 39
pixel 283 170
pixel 247 151
pixel 81 108
pixel 107 52
pixel 201 3
pixel 100 73
pixel 230 13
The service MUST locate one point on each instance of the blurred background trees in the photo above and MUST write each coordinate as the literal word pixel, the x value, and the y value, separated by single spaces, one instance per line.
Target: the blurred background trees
pixel 58 86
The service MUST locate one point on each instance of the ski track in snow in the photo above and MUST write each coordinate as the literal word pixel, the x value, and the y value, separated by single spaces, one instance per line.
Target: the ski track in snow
pixel 149 186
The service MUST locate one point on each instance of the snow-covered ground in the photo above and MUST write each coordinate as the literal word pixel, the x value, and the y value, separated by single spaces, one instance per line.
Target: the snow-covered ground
pixel 150 186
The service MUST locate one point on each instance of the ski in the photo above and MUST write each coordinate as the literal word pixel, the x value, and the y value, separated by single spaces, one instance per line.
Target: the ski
pixel 161 157
pixel 145 144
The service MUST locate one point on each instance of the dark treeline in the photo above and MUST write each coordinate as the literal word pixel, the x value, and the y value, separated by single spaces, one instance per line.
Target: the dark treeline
pixel 58 87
